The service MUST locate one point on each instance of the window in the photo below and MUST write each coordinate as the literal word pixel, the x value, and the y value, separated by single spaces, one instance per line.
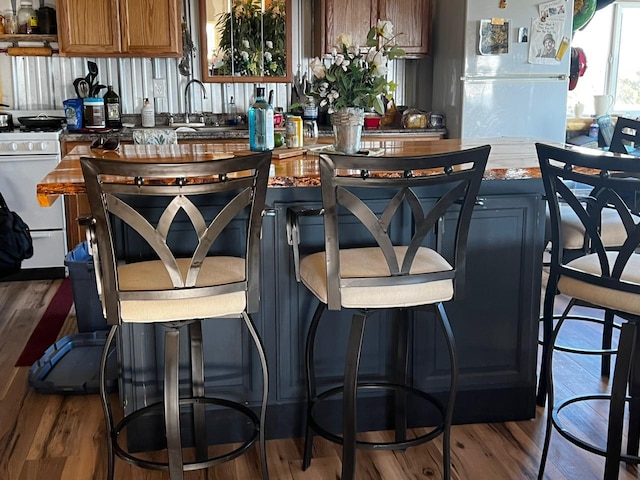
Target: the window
pixel 610 43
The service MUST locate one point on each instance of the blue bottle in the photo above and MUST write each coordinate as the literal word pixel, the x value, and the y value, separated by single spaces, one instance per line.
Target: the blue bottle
pixel 261 124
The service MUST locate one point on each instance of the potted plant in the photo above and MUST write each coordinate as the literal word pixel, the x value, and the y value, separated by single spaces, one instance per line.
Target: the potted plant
pixel 354 79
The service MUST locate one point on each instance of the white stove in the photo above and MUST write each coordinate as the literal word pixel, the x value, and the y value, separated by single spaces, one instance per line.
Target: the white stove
pixel 20 142
pixel 26 157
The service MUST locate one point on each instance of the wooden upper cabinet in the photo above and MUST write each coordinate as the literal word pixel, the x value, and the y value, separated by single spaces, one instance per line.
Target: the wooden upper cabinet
pixel 127 28
pixel 411 18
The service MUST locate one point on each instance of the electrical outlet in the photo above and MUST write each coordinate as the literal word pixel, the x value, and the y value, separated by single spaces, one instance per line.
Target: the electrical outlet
pixel 159 88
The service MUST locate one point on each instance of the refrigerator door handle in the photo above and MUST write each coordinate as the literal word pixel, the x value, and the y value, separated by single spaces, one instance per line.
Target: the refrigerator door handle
pixel 513 78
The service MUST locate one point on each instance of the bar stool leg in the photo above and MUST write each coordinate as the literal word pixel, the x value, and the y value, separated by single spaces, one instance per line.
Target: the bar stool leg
pixel 349 407
pixel 265 392
pixel 626 346
pixel 311 382
pixel 197 390
pixel 453 385
pixel 607 334
pixel 547 343
pixel 548 381
pixel 633 440
pixel 401 320
pixel 172 402
pixel 106 406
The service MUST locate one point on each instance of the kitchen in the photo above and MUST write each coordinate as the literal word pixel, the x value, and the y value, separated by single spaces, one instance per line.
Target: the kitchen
pixel 221 94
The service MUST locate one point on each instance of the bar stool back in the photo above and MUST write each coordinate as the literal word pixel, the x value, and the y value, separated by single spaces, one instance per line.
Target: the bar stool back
pixel 181 213
pixel 388 273
pixel 604 278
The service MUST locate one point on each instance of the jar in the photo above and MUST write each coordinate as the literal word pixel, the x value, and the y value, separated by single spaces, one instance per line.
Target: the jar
pixel 1 24
pixel 10 26
pixel 94 112
pixel 27 20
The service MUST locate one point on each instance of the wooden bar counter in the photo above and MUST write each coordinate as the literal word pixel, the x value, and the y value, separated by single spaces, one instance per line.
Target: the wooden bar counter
pixel 495 324
pixel 511 158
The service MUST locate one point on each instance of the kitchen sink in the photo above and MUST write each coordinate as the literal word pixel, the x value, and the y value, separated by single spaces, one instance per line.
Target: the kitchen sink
pixel 221 128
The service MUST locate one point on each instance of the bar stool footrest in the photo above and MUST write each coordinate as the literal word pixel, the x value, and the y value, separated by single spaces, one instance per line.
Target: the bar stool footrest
pixel 188 466
pixel 579 442
pixel 396 445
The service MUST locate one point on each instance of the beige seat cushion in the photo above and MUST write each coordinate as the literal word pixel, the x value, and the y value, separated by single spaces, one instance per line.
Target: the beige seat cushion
pixel 152 275
pixel 613 232
pixel 605 297
pixel 370 263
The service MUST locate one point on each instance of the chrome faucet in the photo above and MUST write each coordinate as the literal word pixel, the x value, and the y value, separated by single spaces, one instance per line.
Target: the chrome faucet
pixel 186 97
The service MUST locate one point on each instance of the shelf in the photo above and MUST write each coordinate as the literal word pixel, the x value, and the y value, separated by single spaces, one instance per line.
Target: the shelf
pixel 28 38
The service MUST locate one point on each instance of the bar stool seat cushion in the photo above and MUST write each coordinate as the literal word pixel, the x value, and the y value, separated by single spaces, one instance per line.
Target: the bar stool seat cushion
pixel 369 262
pixel 152 275
pixel 602 296
pixel 613 232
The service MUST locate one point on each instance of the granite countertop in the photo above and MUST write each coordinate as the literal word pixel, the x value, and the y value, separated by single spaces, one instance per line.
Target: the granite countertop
pixel 211 132
pixel 510 159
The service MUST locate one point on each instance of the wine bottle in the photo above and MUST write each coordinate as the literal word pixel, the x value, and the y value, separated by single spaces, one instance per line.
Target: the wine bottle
pixel 261 124
pixel 112 105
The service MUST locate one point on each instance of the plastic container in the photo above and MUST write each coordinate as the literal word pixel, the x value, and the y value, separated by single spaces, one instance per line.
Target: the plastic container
pixel 73 113
pixel 94 112
pixel 27 19
pixel 84 289
pixel 148 114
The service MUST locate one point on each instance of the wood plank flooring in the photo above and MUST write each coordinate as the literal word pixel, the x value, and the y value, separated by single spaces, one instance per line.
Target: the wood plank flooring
pixel 62 437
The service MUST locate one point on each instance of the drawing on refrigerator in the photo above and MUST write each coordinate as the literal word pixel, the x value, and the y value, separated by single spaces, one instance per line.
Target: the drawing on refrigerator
pixel 519 89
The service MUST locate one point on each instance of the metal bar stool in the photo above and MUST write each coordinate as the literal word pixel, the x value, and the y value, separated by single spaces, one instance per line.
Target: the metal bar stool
pixel 605 278
pixel 387 273
pixel 188 275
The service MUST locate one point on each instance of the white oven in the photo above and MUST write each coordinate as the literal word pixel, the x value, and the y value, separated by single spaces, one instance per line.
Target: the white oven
pixel 25 159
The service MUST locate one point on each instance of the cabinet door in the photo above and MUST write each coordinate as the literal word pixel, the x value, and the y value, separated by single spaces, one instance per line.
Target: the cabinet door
pixel 151 28
pixel 108 28
pixel 412 19
pixel 88 27
pixel 336 17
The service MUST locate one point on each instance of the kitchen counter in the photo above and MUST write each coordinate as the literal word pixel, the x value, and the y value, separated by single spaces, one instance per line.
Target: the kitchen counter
pixel 510 159
pixel 495 324
pixel 211 133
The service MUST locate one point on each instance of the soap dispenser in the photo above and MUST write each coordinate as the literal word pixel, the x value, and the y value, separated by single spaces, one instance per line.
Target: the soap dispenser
pixel 148 114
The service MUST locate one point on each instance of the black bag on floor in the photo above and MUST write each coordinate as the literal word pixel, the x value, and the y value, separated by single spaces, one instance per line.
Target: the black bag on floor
pixel 15 240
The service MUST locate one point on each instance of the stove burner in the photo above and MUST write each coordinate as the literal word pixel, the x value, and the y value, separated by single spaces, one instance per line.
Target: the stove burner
pixel 39 129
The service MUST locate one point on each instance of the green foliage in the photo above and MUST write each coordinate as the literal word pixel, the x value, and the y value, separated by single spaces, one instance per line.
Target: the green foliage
pixel 243 48
pixel 355 77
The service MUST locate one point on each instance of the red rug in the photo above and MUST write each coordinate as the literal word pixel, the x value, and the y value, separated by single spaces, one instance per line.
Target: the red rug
pixel 46 332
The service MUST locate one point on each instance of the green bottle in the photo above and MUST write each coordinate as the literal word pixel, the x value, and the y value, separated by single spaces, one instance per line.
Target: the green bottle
pixel 112 107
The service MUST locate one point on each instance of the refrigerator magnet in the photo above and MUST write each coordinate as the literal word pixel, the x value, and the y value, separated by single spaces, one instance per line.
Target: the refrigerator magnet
pixel 494 37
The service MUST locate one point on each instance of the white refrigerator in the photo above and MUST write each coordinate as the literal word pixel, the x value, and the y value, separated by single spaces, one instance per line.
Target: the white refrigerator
pixel 488 81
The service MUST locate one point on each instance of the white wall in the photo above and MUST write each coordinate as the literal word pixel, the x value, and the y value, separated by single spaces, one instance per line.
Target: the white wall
pixel 44 82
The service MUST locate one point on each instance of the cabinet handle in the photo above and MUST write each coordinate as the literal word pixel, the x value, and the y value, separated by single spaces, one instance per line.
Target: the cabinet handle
pixel 269 212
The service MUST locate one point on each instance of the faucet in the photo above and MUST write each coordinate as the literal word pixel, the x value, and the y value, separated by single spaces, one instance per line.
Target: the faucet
pixel 186 96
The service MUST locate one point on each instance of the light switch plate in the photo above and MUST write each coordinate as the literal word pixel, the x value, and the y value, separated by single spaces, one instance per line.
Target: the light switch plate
pixel 159 88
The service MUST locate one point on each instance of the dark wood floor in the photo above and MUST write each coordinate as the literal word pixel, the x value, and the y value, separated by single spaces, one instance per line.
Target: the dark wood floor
pixel 62 437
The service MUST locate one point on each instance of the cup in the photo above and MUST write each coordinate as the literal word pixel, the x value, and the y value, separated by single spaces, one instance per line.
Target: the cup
pixel 602 104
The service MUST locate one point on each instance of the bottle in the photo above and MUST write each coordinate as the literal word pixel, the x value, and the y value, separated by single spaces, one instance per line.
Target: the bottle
pixel 148 114
pixel 112 106
pixel 594 129
pixel 232 113
pixel 261 124
pixel 293 131
pixel 27 20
